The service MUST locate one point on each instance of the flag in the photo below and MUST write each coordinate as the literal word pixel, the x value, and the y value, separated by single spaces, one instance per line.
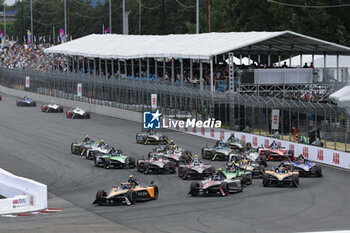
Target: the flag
pixel 107 31
pixel 62 36
pixel 29 36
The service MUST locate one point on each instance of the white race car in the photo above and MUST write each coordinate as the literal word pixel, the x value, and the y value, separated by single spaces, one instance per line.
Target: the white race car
pixel 77 113
pixel 51 108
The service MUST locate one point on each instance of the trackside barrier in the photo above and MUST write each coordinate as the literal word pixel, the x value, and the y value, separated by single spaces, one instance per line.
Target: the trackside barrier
pixel 22 194
pixel 318 154
pixel 314 153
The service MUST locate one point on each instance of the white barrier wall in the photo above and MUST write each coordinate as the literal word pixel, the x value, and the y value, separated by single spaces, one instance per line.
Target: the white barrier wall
pixel 314 153
pixel 21 194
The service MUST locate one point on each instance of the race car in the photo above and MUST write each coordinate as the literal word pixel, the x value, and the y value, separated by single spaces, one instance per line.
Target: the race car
pixel 236 144
pixel 195 169
pixel 281 175
pixel 151 137
pixel 306 168
pixel 25 102
pixel 51 107
pixel 253 156
pixel 256 170
pixel 81 147
pixel 114 159
pixel 276 152
pixel 77 113
pixel 95 148
pixel 233 172
pixel 175 154
pixel 128 193
pixel 216 185
pixel 219 152
pixel 155 164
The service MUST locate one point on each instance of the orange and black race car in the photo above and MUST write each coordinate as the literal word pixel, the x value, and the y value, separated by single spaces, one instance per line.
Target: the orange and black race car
pixel 127 193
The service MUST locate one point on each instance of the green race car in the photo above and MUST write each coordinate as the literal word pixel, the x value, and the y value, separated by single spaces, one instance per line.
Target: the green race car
pixel 233 171
pixel 114 159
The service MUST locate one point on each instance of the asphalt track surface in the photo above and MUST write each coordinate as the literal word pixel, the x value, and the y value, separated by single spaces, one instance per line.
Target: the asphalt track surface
pixel 37 145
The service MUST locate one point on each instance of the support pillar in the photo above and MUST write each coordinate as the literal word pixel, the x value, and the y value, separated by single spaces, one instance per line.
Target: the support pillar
pixel 148 74
pixel 201 75
pixel 211 75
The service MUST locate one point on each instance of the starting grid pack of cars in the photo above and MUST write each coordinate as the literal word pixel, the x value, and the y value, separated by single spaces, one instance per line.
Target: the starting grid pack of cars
pixel 244 163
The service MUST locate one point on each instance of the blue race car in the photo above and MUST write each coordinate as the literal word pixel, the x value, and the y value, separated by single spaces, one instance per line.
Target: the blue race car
pixel 25 102
pixel 221 151
pixel 305 167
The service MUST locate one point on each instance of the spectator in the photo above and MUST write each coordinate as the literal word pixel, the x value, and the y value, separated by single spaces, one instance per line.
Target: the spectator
pixel 284 65
pixel 305 66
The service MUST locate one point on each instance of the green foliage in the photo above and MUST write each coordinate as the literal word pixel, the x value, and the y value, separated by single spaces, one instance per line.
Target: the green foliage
pixel 332 24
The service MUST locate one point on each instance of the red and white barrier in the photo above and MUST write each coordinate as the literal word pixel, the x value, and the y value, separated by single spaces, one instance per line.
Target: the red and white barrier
pixel 22 194
pixel 314 153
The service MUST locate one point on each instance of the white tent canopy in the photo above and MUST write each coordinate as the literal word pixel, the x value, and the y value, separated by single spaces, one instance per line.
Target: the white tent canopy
pixel 331 61
pixel 341 97
pixel 194 46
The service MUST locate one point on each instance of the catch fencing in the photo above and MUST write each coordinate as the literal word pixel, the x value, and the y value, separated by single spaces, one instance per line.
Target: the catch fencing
pixel 239 112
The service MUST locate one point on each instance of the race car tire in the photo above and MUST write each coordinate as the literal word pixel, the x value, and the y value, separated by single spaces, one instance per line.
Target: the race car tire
pixel 156 193
pixel 132 162
pixel 180 171
pixel 212 170
pixel 262 169
pixel 194 189
pixel 60 109
pixel 95 161
pixel 145 166
pixel 318 170
pixel 244 180
pixel 101 193
pixel 184 173
pixel 34 104
pixel 263 160
pixel 131 195
pixel 225 188
pixel 106 162
pixel 165 140
pixel 68 114
pixel 140 166
pixel 266 180
pixel 72 148
pixel 172 168
pixel 295 180
pixel 212 155
pixel 187 156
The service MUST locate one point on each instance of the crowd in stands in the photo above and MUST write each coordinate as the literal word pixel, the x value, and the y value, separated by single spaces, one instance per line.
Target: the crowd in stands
pixel 32 57
pixel 26 57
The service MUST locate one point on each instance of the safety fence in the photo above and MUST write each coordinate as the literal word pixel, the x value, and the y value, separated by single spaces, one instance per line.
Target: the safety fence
pixel 239 112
